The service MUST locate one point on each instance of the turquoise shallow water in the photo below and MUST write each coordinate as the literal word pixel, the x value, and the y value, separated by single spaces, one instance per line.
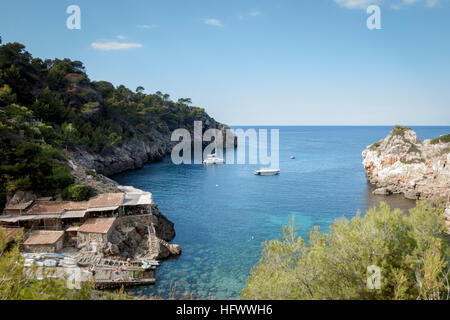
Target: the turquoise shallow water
pixel 222 214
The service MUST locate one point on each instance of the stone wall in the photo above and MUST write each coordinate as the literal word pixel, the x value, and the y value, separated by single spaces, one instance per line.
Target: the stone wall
pixel 44 248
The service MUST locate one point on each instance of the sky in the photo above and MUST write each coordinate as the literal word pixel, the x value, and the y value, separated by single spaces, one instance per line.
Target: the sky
pixel 258 62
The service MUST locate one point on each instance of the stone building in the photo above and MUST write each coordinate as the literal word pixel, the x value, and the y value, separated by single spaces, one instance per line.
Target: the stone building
pixel 41 241
pixel 93 235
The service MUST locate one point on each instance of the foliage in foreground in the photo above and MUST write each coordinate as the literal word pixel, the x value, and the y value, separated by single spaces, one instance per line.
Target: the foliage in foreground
pixel 408 249
pixel 19 283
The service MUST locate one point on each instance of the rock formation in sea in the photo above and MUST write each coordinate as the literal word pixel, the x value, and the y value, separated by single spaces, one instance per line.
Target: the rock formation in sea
pixel 401 163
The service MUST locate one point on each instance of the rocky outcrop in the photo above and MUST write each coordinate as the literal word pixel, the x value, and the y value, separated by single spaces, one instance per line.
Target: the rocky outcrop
pixel 20 197
pixel 142 237
pixel 131 155
pixel 401 163
pixel 89 177
pixel 145 146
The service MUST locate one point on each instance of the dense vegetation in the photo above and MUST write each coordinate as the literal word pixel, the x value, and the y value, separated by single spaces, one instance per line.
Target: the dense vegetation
pixel 18 282
pixel 78 192
pixel 49 106
pixel 409 250
pixel 442 139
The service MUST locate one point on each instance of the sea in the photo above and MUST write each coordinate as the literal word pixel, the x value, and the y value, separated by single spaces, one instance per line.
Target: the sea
pixel 224 213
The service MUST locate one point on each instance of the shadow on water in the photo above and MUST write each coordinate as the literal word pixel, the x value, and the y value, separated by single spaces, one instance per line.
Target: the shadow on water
pixel 394 200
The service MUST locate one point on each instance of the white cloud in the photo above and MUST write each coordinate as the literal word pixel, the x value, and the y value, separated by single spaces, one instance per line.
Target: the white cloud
pixel 363 4
pixel 121 37
pixel 432 3
pixel 145 26
pixel 213 22
pixel 357 4
pixel 254 13
pixel 112 45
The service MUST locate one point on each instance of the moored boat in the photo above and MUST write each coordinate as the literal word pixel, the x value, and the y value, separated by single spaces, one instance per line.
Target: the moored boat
pixel 267 172
pixel 213 159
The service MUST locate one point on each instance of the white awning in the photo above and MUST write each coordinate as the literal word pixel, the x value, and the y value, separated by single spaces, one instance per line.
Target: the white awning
pixel 137 199
pixel 73 214
pixel 102 209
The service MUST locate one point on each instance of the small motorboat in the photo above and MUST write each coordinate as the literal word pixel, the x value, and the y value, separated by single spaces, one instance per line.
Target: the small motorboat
pixel 213 159
pixel 266 172
pixel 292 157
pixel 147 264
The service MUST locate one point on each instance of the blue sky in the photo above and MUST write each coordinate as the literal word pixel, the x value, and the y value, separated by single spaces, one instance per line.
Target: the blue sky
pixel 266 62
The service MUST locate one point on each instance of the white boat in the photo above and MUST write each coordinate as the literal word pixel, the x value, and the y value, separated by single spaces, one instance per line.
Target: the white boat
pixel 146 264
pixel 213 159
pixel 292 157
pixel 267 172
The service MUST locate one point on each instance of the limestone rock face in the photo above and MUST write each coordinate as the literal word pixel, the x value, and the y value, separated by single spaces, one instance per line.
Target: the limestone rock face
pixel 20 197
pixel 138 237
pixel 143 147
pixel 401 163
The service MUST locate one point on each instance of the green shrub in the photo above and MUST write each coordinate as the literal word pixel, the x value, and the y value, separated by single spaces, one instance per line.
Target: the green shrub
pixel 408 249
pixel 90 172
pixel 78 192
pixel 399 130
pixel 413 149
pixel 413 161
pixel 444 139
pixel 374 146
pixel 90 107
pixel 445 151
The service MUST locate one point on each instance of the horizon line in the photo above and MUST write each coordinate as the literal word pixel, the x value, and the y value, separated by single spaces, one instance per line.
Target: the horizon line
pixel 338 125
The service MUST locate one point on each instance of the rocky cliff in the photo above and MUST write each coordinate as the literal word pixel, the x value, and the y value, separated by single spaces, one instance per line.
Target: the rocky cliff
pixel 401 163
pixel 150 147
pixel 142 237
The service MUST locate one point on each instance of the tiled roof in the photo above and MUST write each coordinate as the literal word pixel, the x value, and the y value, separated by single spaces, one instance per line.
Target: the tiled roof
pixel 43 237
pixel 97 225
pixel 20 206
pixel 106 200
pixel 55 207
pixel 46 207
pixel 73 214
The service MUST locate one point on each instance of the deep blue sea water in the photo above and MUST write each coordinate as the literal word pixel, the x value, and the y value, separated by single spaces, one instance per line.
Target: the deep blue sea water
pixel 222 214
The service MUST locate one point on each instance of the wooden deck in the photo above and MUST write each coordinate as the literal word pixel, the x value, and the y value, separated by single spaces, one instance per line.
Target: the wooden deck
pixel 111 284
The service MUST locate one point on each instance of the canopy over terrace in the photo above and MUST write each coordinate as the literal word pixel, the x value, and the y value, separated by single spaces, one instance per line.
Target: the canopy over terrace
pixel 136 197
